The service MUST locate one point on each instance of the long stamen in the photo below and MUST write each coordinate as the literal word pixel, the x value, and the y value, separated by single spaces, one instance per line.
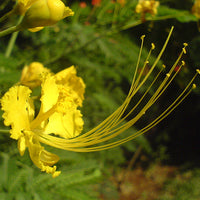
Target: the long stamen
pixel 132 92
pixel 73 147
pixel 113 125
pixel 134 88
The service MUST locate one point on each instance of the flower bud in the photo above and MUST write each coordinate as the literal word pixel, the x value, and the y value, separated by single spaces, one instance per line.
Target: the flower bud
pixel 33 74
pixel 22 6
pixel 45 13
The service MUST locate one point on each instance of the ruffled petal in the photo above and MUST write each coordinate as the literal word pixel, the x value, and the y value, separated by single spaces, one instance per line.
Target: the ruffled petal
pixel 69 79
pixel 18 110
pixel 42 158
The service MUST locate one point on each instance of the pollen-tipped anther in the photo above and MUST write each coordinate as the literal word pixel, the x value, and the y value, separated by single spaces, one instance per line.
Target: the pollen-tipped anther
pixel 164 66
pixel 152 46
pixel 194 86
pixel 183 62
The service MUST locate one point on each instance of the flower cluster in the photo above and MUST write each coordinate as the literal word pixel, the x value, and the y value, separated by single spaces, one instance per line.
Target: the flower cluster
pixel 147 6
pixel 61 95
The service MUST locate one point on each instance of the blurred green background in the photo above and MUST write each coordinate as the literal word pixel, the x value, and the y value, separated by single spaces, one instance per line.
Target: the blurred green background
pixel 103 43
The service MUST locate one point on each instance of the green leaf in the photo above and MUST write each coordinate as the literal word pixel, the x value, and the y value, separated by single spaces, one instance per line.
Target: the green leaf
pixel 182 16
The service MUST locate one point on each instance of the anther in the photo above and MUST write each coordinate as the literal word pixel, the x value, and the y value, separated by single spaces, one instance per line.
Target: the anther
pixel 184 50
pixel 183 62
pixel 152 46
pixel 194 86
pixel 164 66
pixel 185 45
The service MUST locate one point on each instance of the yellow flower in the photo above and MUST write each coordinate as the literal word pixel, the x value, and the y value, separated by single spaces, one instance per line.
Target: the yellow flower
pixel 59 122
pixel 22 6
pixel 33 74
pixel 58 115
pixel 38 14
pixel 44 13
pixel 196 8
pixel 147 6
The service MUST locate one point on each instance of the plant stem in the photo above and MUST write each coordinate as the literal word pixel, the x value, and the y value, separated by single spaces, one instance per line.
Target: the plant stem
pixel 130 165
pixel 9 31
pixel 12 40
pixel 4 131
pixel 11 44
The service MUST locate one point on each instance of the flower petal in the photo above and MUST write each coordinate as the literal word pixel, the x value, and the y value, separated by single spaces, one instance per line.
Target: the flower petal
pixel 42 158
pixel 18 110
pixel 21 145
pixel 69 79
pixel 68 12
pixel 22 6
pixel 50 94
pixel 67 125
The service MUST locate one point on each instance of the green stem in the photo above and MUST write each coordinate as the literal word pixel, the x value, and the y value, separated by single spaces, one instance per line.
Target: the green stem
pixel 10 30
pixel 11 44
pixel 12 40
pixel 4 131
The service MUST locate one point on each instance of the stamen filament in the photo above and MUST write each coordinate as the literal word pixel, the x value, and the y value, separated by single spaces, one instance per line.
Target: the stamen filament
pixel 42 117
pixel 113 125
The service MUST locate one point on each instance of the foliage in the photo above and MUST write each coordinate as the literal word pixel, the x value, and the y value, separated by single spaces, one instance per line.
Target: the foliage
pixel 20 181
pixel 184 186
pixel 103 43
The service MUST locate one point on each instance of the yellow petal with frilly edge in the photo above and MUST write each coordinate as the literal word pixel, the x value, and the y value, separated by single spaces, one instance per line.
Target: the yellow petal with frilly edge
pixel 68 78
pixel 18 110
pixel 42 158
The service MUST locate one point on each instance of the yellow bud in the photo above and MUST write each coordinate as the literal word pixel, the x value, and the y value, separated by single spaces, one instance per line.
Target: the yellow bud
pixel 22 6
pixel 32 74
pixel 45 13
